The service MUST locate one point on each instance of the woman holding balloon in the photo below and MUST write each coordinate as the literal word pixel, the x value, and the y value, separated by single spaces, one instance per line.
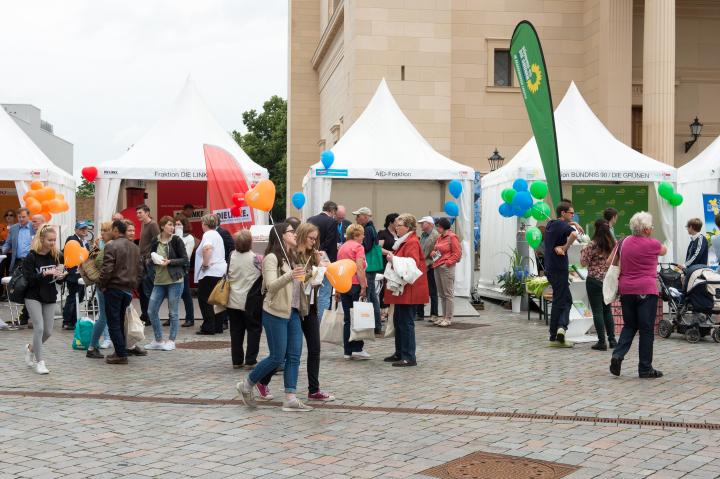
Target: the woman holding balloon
pixel 285 303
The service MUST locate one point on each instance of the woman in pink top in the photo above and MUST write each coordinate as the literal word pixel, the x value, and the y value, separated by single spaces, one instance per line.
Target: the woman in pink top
pixel 638 294
pixel 353 250
pixel 445 256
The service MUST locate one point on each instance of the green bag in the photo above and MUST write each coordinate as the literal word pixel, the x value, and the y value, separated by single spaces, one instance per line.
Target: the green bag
pixel 83 333
pixel 374 260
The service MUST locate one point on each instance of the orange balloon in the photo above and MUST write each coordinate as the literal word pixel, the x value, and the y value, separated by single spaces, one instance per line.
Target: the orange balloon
pixel 340 274
pixel 55 206
pixel 262 196
pixel 46 205
pixel 33 206
pixel 47 216
pixel 36 185
pixel 27 196
pixel 31 194
pixel 59 196
pixel 64 206
pixel 74 254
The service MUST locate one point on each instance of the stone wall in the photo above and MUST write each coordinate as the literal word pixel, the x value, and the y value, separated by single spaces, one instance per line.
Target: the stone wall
pixel 85 208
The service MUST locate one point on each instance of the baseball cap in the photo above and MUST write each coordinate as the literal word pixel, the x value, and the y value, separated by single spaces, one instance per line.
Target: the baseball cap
pixel 427 219
pixel 363 211
pixel 81 224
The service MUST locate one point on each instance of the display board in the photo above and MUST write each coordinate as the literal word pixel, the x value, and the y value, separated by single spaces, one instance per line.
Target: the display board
pixel 590 201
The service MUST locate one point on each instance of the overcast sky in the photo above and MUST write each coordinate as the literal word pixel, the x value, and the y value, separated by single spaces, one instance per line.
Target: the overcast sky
pixel 102 71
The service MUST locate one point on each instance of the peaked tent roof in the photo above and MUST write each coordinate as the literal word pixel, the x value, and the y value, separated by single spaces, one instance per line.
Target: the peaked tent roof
pixel 704 166
pixel 384 144
pixel 21 159
pixel 588 151
pixel 173 147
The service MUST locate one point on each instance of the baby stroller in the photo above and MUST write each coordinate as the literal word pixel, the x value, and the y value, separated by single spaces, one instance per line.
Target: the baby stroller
pixel 692 300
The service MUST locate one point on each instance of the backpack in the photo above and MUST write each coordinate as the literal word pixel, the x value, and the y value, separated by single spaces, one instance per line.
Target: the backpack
pixel 255 298
pixel 17 286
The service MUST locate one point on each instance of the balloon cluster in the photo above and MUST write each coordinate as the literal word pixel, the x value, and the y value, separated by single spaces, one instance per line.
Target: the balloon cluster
pixel 74 254
pixel 451 208
pixel 44 200
pixel 667 192
pixel 518 200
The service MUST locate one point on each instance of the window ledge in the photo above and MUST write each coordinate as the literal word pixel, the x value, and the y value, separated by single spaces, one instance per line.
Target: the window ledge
pixel 502 89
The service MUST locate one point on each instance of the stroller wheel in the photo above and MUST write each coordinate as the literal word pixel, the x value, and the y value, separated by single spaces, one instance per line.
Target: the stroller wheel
pixel 665 328
pixel 716 335
pixel 692 335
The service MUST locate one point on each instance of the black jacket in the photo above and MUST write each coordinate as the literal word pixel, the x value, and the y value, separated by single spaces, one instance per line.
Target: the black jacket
pixel 40 288
pixel 177 254
pixel 328 234
pixel 73 274
pixel 697 252
pixel 228 242
pixel 342 229
pixel 121 266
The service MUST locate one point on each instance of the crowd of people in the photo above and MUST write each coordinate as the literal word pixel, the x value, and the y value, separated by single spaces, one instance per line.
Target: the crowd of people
pixel 282 292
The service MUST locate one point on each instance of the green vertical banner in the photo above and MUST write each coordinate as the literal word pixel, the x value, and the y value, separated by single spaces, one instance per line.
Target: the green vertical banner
pixel 531 72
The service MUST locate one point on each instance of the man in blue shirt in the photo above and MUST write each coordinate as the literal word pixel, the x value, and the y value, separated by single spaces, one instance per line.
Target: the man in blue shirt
pixel 559 235
pixel 19 239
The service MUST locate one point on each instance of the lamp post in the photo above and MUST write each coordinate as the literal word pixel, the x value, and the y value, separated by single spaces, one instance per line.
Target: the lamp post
pixel 695 130
pixel 495 160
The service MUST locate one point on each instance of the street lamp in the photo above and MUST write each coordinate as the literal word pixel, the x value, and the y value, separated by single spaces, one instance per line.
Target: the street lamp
pixel 495 160
pixel 695 130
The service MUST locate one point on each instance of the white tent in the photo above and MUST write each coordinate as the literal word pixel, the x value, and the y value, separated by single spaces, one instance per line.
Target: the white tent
pixel 172 150
pixel 698 176
pixel 384 146
pixel 588 153
pixel 22 161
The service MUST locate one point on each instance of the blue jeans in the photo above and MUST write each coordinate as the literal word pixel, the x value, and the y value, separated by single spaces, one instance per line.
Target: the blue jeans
pixel 373 297
pixel 348 299
pixel 324 299
pixel 100 327
pixel 284 338
pixel 187 300
pixel 404 322
pixel 639 313
pixel 161 291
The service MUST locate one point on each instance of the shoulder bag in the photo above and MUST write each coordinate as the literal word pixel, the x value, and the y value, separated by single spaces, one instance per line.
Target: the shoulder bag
pixel 612 277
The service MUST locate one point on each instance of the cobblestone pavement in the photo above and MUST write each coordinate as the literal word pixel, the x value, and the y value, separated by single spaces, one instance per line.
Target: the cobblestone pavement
pixel 177 414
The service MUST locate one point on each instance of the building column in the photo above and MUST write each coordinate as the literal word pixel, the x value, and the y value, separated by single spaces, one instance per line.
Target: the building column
pixel 659 80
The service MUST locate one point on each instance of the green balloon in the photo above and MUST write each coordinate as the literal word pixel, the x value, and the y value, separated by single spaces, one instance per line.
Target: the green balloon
pixel 528 213
pixel 540 211
pixel 508 194
pixel 539 189
pixel 533 236
pixel 666 190
pixel 676 199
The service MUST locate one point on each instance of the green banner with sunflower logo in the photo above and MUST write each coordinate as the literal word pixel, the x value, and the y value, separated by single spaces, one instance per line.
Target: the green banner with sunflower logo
pixel 529 63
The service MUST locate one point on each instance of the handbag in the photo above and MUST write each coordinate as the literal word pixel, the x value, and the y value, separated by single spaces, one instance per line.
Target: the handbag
pixel 361 334
pixel 363 316
pixel 390 323
pixel 612 278
pixel 220 295
pixel 331 326
pixel 134 328
pixel 89 270
pixel 83 333
pixel 374 259
pixel 17 286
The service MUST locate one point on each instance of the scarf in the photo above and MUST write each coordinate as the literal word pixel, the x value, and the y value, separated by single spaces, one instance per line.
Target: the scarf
pixel 401 240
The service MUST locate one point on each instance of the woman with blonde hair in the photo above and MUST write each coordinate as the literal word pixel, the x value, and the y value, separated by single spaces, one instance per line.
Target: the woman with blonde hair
pixel 40 269
pixel 307 255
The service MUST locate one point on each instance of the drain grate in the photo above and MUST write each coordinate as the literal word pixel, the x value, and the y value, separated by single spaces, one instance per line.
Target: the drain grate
pixel 483 465
pixel 203 345
pixel 463 326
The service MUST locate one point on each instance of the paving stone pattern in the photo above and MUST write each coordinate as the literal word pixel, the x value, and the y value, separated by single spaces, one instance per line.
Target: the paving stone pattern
pixel 504 367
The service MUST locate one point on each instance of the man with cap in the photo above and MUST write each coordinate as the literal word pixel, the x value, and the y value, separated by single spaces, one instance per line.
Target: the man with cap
pixel 73 277
pixel 428 238
pixel 363 216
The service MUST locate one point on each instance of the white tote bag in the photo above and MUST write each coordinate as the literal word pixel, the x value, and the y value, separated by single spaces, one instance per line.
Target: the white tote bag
pixel 363 316
pixel 612 278
pixel 367 334
pixel 134 328
pixel 331 326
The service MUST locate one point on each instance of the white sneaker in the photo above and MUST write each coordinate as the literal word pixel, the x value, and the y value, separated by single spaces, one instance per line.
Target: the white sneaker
pixel 168 345
pixel 296 405
pixel 29 356
pixel 361 355
pixel 40 368
pixel 560 335
pixel 155 345
pixel 347 357
pixel 107 344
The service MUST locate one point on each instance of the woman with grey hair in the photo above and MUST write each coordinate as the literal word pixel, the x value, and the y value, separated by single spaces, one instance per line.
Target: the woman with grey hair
pixel 637 256
pixel 210 266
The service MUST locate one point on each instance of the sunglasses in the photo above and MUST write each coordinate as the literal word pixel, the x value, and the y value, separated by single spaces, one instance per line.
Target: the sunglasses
pixel 9 215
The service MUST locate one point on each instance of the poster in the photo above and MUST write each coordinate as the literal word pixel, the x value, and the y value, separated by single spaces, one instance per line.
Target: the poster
pixel 711 208
pixel 591 200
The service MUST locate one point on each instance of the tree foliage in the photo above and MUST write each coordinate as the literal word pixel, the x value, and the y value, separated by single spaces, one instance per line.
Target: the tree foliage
pixel 266 144
pixel 86 189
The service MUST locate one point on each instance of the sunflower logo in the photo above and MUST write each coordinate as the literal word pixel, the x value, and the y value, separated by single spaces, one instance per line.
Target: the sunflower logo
pixel 534 85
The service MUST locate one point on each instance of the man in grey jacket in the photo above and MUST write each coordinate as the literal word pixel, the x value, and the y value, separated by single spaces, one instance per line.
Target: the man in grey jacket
pixel 428 238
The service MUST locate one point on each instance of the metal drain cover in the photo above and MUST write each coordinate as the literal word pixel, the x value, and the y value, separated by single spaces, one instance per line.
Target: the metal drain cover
pixel 481 465
pixel 460 326
pixel 203 345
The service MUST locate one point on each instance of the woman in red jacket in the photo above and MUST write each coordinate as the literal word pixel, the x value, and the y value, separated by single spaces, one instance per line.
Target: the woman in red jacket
pixel 407 246
pixel 446 255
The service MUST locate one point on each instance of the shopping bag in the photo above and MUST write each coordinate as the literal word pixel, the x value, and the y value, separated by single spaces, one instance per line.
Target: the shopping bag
pixel 361 334
pixel 390 323
pixel 83 333
pixel 363 316
pixel 331 326
pixel 134 328
pixel 220 295
pixel 612 277
pixel 374 259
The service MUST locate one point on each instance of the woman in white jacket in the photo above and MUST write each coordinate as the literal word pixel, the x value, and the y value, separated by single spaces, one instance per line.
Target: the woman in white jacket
pixel 245 269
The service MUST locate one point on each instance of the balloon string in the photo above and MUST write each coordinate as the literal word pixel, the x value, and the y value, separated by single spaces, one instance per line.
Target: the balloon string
pixel 282 247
